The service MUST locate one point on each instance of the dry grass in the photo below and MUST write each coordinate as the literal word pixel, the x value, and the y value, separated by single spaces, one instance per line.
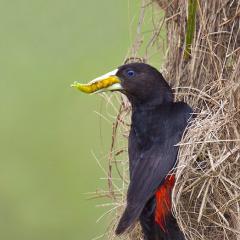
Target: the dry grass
pixel 207 194
pixel 206 75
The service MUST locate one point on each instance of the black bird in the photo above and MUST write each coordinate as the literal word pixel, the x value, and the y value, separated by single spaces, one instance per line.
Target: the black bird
pixel 157 126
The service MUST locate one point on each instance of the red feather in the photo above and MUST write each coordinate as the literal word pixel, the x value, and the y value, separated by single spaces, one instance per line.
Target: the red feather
pixel 163 201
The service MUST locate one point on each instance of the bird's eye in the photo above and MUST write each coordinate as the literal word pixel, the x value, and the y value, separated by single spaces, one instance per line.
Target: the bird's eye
pixel 130 73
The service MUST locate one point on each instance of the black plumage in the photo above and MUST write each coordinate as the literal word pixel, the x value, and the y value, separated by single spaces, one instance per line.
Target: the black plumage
pixel 157 126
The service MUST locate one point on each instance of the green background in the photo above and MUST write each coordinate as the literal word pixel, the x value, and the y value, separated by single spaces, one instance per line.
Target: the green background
pixel 47 129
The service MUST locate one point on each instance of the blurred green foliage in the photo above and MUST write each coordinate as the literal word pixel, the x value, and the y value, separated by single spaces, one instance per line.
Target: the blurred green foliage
pixel 47 129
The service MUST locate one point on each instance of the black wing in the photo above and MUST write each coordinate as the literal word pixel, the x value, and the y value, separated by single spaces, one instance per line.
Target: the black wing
pixel 153 165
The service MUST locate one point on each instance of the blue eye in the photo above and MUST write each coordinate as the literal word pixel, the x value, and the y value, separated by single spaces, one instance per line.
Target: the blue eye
pixel 130 73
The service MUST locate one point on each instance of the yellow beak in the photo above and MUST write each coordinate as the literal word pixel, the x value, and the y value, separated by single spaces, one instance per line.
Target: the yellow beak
pixel 107 82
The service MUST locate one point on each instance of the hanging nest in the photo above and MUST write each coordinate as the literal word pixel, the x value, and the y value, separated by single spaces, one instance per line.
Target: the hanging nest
pixel 203 67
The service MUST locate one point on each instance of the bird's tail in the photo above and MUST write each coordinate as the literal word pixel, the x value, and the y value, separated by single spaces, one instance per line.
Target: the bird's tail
pixel 129 218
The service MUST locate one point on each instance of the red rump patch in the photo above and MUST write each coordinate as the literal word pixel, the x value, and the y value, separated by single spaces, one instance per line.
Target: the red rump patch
pixel 163 201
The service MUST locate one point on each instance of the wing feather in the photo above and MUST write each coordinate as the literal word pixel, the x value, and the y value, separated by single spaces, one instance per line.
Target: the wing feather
pixel 150 167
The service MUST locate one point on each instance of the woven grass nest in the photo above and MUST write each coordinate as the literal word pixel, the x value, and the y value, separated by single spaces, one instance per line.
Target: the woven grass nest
pixel 203 67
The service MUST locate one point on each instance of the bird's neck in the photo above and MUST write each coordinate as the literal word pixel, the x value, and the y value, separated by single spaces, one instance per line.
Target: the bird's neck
pixel 152 102
pixel 149 99
pixel 146 122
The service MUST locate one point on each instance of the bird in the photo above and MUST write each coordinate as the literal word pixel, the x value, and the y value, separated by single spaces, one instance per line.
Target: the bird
pixel 157 126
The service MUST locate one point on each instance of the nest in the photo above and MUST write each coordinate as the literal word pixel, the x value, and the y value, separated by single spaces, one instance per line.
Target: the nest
pixel 203 67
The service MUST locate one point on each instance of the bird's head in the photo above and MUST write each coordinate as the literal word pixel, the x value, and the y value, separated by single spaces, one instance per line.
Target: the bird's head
pixel 140 82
